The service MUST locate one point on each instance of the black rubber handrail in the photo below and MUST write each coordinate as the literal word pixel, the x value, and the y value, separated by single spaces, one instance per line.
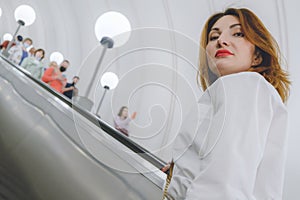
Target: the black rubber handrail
pixel 144 153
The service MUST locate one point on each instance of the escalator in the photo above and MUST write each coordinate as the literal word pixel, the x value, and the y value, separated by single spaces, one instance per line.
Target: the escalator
pixel 52 148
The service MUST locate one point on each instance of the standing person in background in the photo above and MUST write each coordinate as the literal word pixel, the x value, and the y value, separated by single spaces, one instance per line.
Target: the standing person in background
pixel 19 52
pixel 121 121
pixel 31 52
pixel 239 150
pixel 70 90
pixel 64 65
pixel 34 65
pixel 53 76
pixel 26 43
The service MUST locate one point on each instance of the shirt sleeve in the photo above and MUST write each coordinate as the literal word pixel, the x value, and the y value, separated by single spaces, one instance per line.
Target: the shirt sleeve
pixel 245 138
pixel 270 172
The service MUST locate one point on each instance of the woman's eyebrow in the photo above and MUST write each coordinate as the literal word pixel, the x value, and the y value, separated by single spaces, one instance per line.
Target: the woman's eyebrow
pixel 234 25
pixel 215 29
pixel 231 26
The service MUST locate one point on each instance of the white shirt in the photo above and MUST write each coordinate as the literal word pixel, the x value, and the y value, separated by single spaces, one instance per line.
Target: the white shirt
pixel 16 53
pixel 237 150
pixel 122 123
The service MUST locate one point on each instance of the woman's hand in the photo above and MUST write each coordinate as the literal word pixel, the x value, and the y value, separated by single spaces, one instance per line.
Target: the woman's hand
pixel 133 115
pixel 166 167
pixel 59 77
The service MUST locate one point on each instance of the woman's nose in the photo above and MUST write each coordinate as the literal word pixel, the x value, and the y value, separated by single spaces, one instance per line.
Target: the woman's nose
pixel 222 42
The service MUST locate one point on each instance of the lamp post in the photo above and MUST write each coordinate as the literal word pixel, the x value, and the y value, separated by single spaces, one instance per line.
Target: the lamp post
pixel 107 43
pixel 109 81
pixel 25 16
pixel 107 27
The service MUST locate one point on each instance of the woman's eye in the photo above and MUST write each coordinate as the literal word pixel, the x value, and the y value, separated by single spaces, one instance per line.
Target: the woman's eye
pixel 239 34
pixel 213 37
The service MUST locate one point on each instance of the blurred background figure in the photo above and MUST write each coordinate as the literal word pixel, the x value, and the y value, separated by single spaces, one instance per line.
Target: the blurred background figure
pixel 5 43
pixel 53 76
pixel 70 90
pixel 19 52
pixel 34 65
pixel 31 52
pixel 121 121
pixel 64 65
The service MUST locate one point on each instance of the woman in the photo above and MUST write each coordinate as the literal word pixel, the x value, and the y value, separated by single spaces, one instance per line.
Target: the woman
pixel 34 64
pixel 53 76
pixel 238 150
pixel 19 52
pixel 121 121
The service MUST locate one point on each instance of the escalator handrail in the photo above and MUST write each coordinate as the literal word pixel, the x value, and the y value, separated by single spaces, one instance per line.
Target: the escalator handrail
pixel 141 151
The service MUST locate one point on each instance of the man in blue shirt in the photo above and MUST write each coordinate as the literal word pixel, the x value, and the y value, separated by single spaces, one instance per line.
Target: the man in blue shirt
pixel 70 90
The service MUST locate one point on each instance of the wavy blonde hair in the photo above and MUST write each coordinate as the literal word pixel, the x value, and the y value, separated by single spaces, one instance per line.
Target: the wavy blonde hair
pixel 265 45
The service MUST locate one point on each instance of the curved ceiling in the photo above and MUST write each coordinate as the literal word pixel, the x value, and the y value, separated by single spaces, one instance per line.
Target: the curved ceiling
pixel 68 26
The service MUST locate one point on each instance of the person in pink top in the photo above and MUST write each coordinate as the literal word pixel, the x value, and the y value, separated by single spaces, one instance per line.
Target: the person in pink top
pixel 121 121
pixel 53 76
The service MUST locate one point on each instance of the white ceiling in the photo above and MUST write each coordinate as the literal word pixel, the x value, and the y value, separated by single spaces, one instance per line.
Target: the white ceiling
pixel 68 26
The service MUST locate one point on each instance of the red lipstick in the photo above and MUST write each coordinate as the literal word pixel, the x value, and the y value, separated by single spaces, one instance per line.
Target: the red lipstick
pixel 223 53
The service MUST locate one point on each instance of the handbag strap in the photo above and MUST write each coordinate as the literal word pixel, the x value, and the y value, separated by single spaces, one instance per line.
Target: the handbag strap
pixel 168 181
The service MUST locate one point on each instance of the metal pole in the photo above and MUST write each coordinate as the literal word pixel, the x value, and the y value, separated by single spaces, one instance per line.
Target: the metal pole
pixel 5 52
pixel 106 43
pixel 105 90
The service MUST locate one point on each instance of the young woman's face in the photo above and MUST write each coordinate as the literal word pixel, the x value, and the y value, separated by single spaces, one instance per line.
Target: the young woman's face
pixel 39 54
pixel 227 49
pixel 124 112
pixel 54 65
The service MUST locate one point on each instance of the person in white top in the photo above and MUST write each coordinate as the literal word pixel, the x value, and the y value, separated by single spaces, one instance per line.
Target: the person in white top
pixel 237 149
pixel 19 52
pixel 122 120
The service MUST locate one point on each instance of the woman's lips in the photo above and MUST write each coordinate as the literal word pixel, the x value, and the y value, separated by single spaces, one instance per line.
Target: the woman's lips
pixel 223 53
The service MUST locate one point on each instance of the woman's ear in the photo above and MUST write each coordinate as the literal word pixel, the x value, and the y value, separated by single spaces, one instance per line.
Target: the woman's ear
pixel 257 59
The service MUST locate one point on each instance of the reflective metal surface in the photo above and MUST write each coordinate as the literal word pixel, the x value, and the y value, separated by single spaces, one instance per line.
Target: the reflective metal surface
pixel 58 154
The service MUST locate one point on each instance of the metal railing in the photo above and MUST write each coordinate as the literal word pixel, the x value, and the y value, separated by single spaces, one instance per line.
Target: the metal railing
pixel 144 153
